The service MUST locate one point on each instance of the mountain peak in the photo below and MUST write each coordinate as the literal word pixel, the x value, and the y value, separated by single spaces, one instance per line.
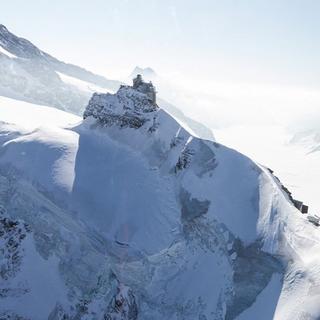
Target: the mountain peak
pixel 130 106
pixel 32 75
pixel 144 87
pixel 20 47
pixel 147 72
pixel 3 27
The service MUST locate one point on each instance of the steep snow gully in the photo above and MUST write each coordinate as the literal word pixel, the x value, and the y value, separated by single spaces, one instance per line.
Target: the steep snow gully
pixel 126 215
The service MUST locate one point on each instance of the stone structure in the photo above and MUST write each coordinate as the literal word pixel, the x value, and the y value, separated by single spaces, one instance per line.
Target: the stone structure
pixel 145 87
pixel 301 206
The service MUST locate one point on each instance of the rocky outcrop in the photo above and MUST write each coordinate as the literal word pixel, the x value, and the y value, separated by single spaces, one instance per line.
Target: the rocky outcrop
pixel 127 108
pixel 123 305
pixel 297 203
pixel 12 233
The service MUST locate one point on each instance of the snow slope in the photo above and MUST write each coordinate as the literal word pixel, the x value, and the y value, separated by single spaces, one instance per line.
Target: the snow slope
pixel 168 92
pixel 294 160
pixel 33 116
pixel 132 217
pixel 30 74
pixel 260 121
pixel 81 85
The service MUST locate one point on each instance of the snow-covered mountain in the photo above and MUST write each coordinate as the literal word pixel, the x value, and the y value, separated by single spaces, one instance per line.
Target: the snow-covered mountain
pixel 147 73
pixel 32 75
pixel 126 215
pixel 196 127
pixel 260 122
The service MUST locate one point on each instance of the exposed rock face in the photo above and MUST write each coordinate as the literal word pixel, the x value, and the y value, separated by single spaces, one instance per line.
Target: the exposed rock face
pixel 145 87
pixel 148 74
pixel 123 306
pixel 127 108
pixel 12 234
pixel 18 46
pixel 192 208
pixel 32 75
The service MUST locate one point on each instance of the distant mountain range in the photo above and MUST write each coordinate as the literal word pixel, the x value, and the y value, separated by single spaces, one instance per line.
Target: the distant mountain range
pixel 147 73
pixel 32 75
pixel 29 74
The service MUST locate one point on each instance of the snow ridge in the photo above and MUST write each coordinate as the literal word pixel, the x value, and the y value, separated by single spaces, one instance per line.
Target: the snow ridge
pixel 133 217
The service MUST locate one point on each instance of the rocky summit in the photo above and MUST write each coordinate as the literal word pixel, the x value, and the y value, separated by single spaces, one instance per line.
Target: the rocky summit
pixel 124 214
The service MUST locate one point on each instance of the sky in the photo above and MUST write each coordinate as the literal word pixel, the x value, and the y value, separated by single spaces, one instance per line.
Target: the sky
pixel 263 42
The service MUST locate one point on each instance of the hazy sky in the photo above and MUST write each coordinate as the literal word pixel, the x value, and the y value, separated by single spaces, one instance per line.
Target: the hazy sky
pixel 270 41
